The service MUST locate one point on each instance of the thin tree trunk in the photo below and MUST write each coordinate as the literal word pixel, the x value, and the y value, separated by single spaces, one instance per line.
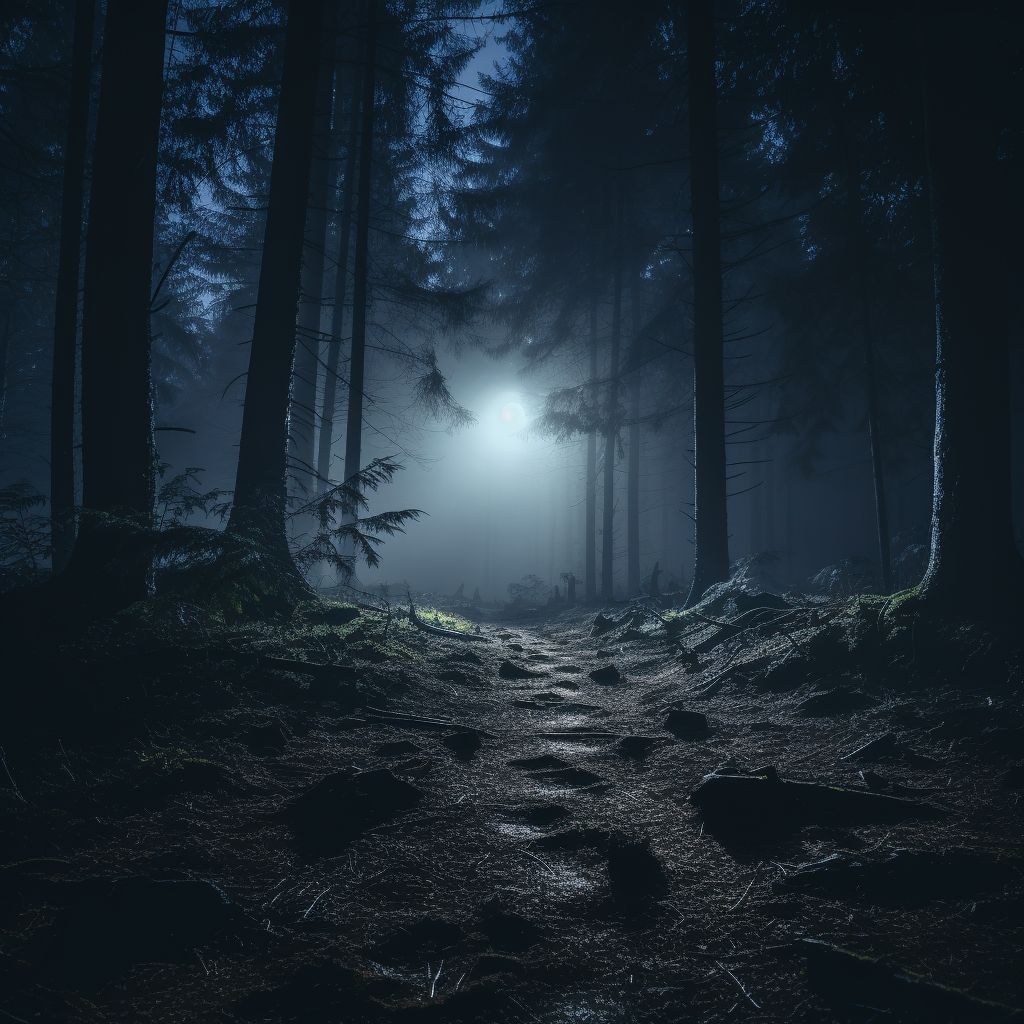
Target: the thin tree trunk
pixel 590 533
pixel 118 452
pixel 65 318
pixel 875 439
pixel 340 294
pixel 302 419
pixel 612 428
pixel 354 424
pixel 5 346
pixel 711 535
pixel 260 489
pixel 976 222
pixel 633 475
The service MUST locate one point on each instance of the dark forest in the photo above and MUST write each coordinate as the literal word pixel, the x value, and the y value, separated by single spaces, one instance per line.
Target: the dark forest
pixel 511 510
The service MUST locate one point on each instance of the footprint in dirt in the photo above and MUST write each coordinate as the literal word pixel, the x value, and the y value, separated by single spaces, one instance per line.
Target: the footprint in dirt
pixel 548 768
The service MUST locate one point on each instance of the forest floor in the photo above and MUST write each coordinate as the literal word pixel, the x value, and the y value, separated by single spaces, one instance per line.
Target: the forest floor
pixel 327 823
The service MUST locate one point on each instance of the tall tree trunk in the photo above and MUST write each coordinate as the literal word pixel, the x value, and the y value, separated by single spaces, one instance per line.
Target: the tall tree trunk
pixel 711 535
pixel 258 511
pixel 590 532
pixel 65 318
pixel 357 361
pixel 302 418
pixel 976 208
pixel 633 475
pixel 612 426
pixel 875 440
pixel 340 293
pixel 118 452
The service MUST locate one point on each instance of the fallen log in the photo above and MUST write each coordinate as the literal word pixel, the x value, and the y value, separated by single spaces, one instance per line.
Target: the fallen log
pixel 448 634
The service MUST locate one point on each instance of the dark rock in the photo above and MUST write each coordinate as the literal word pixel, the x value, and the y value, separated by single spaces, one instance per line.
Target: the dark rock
pixel 606 675
pixel 634 872
pixel 746 602
pixel 342 806
pixel 687 725
pixel 904 879
pixel 875 782
pixel 874 750
pixel 746 804
pixel 336 616
pixel 574 778
pixel 509 933
pixel 109 925
pixel 850 980
pixel 635 746
pixel 463 744
pixel 397 747
pixel 1013 778
pixel 510 671
pixel 535 763
pixel 835 702
pixel 543 815
pixel 602 624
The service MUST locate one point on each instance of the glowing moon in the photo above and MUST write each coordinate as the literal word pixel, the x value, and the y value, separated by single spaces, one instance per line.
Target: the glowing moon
pixel 513 414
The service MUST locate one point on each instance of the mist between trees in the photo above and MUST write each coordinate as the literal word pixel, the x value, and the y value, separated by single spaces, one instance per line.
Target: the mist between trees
pixel 618 286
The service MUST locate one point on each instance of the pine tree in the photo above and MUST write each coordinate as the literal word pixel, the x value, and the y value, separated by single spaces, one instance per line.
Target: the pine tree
pixel 118 457
pixel 65 320
pixel 974 162
pixel 258 511
pixel 711 537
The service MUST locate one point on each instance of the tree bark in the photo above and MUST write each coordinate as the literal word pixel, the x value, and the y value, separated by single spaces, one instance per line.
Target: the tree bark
pixel 875 441
pixel 118 451
pixel 612 424
pixel 302 419
pixel 340 293
pixel 590 532
pixel 65 317
pixel 357 361
pixel 258 511
pixel 711 535
pixel 976 209
pixel 633 475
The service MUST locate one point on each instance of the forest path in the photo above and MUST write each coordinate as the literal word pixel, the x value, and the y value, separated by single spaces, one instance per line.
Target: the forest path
pixel 503 831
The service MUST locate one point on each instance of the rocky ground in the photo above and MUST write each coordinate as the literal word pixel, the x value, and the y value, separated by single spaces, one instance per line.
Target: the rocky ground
pixel 758 812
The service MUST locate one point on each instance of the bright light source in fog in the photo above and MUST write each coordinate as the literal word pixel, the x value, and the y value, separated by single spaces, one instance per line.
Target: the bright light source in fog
pixel 513 414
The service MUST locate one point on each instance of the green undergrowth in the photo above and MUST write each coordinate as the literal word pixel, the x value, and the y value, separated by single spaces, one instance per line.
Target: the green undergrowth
pixel 432 615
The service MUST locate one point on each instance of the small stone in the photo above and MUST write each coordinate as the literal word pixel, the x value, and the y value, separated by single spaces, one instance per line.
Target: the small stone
pixel 606 675
pixel 635 746
pixel 687 725
pixel 463 744
pixel 634 872
pixel 510 671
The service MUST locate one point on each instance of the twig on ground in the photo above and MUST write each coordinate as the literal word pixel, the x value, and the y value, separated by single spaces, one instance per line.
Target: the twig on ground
pixel 739 984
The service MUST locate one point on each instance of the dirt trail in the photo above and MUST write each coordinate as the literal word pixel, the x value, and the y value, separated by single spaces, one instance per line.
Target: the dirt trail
pixel 537 859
